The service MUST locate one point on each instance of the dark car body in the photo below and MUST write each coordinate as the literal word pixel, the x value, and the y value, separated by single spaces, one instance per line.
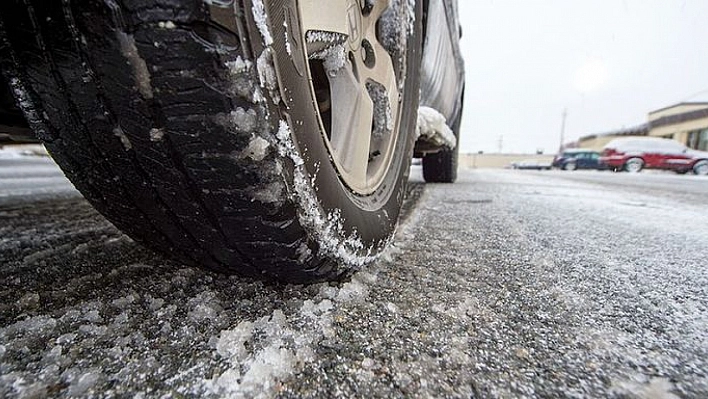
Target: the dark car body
pixel 577 158
pixel 442 70
pixel 653 153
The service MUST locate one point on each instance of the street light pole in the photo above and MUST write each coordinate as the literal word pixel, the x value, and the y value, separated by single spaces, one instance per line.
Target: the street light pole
pixel 562 137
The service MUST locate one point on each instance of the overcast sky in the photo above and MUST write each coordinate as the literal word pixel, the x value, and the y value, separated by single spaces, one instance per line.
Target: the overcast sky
pixel 609 62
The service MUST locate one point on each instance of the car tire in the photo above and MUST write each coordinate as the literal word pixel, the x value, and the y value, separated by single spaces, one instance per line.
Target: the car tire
pixel 570 166
pixel 198 132
pixel 441 166
pixel 700 168
pixel 634 165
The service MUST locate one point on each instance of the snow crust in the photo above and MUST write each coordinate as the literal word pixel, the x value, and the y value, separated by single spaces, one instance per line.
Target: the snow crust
pixel 141 73
pixel 333 53
pixel 257 148
pixel 24 102
pixel 262 353
pixel 334 58
pixel 259 16
pixel 243 121
pixel 432 127
pixel 383 117
pixel 157 134
pixel 272 193
pixel 266 74
pixel 166 25
pixel 397 24
pixel 642 386
pixel 242 82
pixel 326 37
pixel 327 228
pixel 118 132
pixel 288 47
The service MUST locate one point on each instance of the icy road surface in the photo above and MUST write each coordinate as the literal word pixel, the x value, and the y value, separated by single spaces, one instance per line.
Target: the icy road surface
pixel 35 177
pixel 506 284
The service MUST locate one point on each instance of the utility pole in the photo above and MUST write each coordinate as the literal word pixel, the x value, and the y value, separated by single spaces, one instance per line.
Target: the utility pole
pixel 500 143
pixel 562 138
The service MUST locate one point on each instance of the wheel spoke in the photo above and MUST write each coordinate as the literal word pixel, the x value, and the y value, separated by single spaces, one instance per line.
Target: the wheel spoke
pixel 383 74
pixel 379 7
pixel 364 93
pixel 326 16
pixel 351 123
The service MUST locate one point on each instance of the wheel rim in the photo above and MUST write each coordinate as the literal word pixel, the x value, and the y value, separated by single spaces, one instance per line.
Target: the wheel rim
pixel 357 88
pixel 634 165
pixel 701 168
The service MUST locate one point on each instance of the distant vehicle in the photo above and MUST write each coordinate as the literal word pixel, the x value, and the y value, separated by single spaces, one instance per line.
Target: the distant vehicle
pixel 634 154
pixel 531 164
pixel 577 158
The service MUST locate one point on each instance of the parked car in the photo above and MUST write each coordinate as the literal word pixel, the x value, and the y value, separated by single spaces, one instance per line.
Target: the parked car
pixel 633 154
pixel 577 158
pixel 266 138
pixel 531 164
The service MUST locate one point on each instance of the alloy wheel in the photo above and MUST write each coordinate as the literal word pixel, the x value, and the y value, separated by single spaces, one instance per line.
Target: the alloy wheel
pixel 355 80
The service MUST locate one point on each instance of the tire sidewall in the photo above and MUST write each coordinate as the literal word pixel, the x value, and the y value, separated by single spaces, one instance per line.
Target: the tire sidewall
pixel 700 164
pixel 631 161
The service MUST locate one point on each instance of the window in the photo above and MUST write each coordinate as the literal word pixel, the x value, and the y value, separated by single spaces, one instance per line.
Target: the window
pixel 698 139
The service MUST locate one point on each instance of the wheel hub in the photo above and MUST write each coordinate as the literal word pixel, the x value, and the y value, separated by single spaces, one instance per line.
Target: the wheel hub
pixel 354 80
pixel 354 22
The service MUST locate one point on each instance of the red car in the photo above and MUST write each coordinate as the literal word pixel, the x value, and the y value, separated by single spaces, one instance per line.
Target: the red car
pixel 633 154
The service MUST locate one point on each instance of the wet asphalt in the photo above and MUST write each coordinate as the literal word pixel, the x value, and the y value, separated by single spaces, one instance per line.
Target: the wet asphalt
pixel 506 284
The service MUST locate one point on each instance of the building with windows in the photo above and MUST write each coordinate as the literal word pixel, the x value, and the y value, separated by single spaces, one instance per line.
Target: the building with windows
pixel 686 123
pixel 597 141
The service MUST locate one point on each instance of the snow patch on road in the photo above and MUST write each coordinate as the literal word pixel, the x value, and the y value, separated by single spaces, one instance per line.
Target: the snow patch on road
pixel 644 387
pixel 263 353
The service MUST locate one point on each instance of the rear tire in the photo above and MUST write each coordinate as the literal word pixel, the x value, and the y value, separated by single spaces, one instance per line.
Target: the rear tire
pixel 634 165
pixel 441 166
pixel 570 166
pixel 700 168
pixel 189 125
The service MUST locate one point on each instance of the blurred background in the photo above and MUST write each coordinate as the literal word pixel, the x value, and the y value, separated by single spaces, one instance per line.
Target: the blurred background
pixel 538 70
